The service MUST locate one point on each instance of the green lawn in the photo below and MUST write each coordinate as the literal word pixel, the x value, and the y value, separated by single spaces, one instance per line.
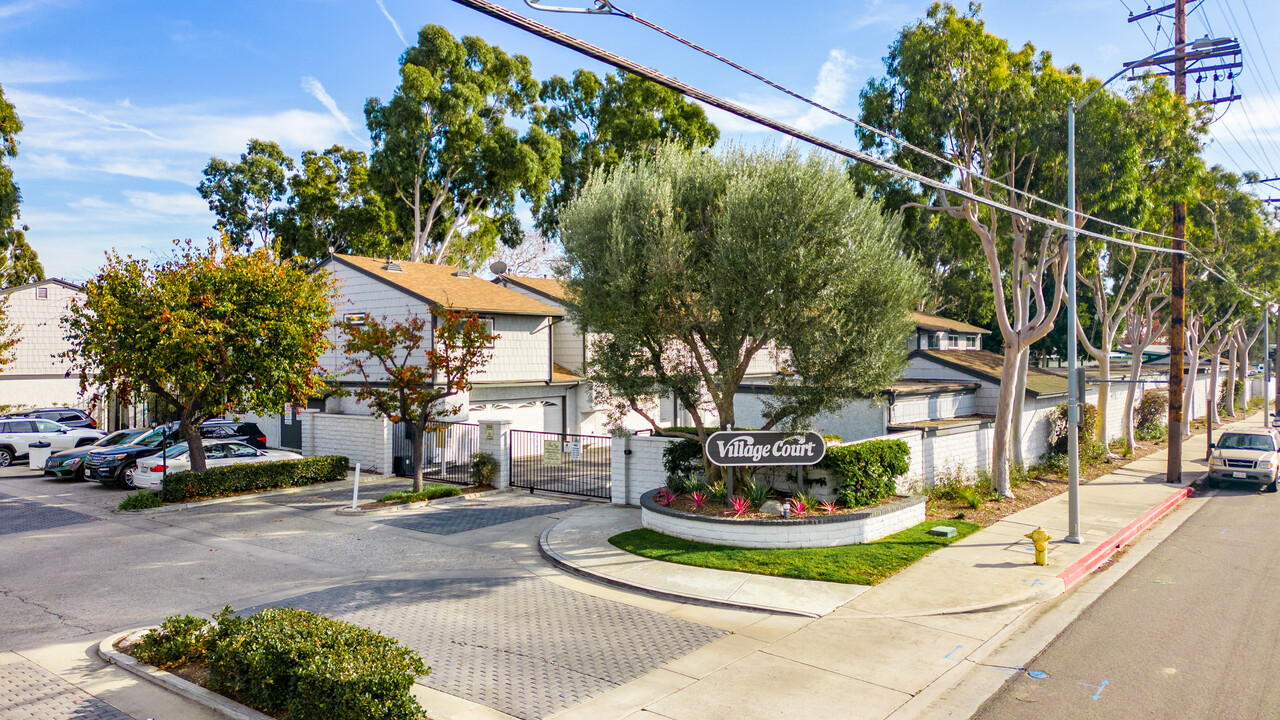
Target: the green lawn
pixel 865 564
pixel 434 491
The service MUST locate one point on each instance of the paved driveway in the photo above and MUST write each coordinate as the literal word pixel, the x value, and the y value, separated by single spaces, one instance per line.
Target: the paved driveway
pixel 460 582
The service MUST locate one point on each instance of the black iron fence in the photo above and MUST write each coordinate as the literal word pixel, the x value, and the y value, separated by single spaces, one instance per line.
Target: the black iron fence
pixel 561 463
pixel 446 452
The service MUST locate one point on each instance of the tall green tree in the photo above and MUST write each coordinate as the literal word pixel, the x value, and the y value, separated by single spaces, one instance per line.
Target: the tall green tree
pixel 445 154
pixel 599 123
pixel 208 332
pixel 963 94
pixel 247 196
pixel 19 264
pixel 332 207
pixel 687 266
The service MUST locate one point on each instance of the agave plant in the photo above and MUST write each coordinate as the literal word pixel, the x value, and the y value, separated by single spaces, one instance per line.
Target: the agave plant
pixel 829 506
pixel 664 497
pixel 698 499
pixel 740 505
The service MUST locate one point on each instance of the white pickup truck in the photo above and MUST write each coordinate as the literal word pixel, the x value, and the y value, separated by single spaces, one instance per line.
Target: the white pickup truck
pixel 1245 456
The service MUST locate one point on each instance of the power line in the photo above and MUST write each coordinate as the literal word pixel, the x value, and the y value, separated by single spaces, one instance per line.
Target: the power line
pixel 1234 26
pixel 580 46
pixel 606 7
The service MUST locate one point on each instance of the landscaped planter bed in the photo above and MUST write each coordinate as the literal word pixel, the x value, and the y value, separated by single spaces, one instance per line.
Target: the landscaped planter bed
pixel 810 531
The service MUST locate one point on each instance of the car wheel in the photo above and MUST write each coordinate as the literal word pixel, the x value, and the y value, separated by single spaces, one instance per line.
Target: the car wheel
pixel 1273 486
pixel 6 457
pixel 126 474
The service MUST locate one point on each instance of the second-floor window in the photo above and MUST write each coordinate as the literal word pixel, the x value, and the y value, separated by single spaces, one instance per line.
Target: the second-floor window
pixel 971 341
pixel 934 341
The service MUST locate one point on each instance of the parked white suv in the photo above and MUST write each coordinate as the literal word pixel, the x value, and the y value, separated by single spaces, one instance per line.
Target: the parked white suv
pixel 1245 456
pixel 18 433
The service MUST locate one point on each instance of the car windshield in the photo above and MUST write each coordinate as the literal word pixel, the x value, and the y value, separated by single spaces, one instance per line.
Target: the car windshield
pixel 120 437
pixel 153 437
pixel 174 451
pixel 1241 441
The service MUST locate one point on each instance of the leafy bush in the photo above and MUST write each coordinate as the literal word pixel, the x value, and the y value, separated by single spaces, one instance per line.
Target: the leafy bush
pixel 1150 417
pixel 484 468
pixel 245 477
pixel 1091 451
pixel 305 666
pixel 757 492
pixel 682 460
pixel 141 500
pixel 434 491
pixel 831 437
pixel 971 490
pixel 866 472
pixel 179 640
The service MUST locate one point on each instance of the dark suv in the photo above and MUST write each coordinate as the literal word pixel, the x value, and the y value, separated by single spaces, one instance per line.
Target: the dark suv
pixel 70 417
pixel 115 466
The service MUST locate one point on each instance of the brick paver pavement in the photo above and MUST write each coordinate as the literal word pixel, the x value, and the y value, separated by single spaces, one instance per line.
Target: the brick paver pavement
pixel 524 646
pixel 28 692
pixel 18 516
pixel 480 514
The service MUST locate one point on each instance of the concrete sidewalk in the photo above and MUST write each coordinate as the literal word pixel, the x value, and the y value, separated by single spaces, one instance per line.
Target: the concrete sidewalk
pixel 875 655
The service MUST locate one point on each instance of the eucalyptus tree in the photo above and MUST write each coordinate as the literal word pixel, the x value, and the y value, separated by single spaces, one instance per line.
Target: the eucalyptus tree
pixel 247 196
pixel 19 264
pixel 1144 323
pixel 447 154
pixel 332 207
pixel 600 122
pixel 687 265
pixel 956 90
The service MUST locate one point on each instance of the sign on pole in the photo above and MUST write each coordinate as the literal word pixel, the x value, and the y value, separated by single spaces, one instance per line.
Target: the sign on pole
pixel 735 448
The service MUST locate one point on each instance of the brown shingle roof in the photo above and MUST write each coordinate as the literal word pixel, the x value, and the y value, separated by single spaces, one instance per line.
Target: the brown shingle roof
pixel 553 288
pixel 437 284
pixel 933 322
pixel 986 365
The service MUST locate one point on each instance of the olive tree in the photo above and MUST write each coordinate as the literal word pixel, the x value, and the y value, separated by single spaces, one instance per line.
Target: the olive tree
pixel 687 265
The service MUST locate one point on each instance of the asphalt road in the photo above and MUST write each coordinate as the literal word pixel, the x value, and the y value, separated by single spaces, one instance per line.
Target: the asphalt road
pixel 1192 631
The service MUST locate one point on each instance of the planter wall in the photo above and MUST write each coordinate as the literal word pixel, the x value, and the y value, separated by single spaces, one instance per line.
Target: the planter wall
pixel 807 532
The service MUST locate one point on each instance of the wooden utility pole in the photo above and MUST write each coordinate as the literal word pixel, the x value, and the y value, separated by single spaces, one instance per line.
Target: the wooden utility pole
pixel 1178 324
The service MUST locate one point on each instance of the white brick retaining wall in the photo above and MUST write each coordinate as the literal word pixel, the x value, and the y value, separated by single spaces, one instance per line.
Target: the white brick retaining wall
pixel 816 531
pixel 636 467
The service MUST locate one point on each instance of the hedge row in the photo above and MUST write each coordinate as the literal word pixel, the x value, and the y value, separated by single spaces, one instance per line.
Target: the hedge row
pixel 867 472
pixel 246 477
pixel 293 663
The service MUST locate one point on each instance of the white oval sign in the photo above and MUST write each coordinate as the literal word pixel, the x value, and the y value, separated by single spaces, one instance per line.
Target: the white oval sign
pixel 732 448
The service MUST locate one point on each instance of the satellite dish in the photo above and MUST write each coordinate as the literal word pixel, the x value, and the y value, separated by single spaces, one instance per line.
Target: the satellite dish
pixel 497 267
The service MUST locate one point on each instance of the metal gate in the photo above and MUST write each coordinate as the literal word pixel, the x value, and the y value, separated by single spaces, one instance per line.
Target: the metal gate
pixel 446 451
pixel 290 427
pixel 561 462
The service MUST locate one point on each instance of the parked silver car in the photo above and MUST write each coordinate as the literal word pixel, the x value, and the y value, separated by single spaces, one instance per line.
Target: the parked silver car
pixel 1251 456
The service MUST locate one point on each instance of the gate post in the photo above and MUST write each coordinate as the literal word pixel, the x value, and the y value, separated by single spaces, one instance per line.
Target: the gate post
pixel 495 439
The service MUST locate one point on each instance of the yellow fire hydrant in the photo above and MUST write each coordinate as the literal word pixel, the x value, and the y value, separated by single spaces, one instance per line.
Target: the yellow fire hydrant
pixel 1041 540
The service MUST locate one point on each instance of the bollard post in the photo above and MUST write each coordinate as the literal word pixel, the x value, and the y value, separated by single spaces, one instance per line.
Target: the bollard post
pixel 355 490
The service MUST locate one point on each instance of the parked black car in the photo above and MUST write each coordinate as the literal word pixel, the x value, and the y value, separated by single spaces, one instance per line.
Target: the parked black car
pixel 115 466
pixel 70 417
pixel 70 463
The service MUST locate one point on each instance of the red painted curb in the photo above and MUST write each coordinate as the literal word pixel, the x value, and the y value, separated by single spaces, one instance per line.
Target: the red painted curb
pixel 1099 555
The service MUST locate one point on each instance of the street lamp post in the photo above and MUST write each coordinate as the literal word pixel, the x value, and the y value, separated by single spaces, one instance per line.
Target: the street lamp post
pixel 1075 393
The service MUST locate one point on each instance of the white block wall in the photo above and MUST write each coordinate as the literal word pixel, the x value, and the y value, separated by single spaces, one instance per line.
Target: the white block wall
pixel 641 471
pixel 361 438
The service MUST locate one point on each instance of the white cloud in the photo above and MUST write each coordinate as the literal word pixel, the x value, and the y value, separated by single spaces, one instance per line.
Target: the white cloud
pixel 317 91
pixel 15 8
pixel 393 22
pixel 14 71
pixel 878 12
pixel 70 137
pixel 187 204
pixel 832 87
pixel 831 90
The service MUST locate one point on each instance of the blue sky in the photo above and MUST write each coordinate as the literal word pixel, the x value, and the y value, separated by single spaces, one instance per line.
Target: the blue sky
pixel 124 102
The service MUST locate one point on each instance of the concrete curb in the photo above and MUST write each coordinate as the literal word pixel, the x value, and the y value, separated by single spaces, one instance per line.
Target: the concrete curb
pixel 179 507
pixel 173 683
pixel 1100 554
pixel 569 566
pixel 346 511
